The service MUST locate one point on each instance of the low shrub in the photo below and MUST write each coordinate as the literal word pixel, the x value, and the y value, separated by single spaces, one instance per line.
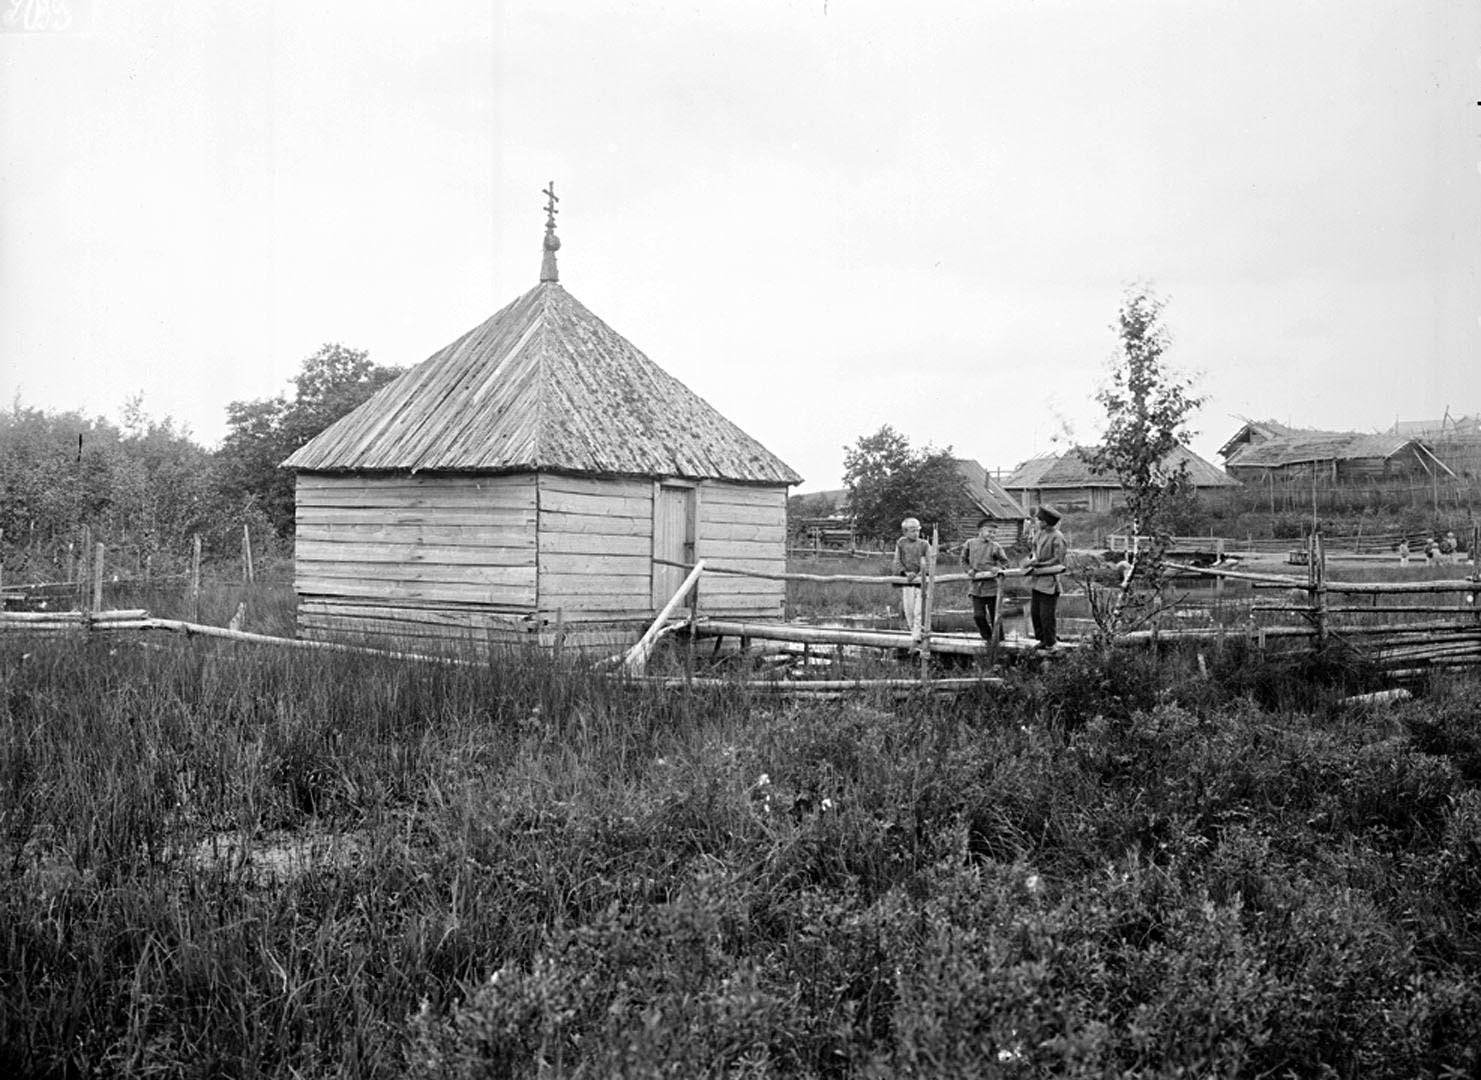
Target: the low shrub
pixel 233 861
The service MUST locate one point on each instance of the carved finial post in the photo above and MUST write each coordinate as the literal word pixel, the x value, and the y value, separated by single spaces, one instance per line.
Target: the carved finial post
pixel 548 271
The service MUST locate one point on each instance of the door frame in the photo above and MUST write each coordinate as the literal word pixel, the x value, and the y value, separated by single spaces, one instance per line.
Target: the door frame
pixel 689 548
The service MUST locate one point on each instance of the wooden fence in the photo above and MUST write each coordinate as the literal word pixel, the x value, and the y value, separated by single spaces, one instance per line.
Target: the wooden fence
pixel 1414 631
pixel 89 571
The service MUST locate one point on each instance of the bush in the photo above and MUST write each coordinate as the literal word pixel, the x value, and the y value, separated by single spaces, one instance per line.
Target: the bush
pixel 227 860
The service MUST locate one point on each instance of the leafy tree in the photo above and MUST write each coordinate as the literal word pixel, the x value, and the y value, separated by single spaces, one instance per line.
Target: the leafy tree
pixel 888 480
pixel 1147 407
pixel 163 486
pixel 141 489
pixel 262 433
pixel 43 495
pixel 873 469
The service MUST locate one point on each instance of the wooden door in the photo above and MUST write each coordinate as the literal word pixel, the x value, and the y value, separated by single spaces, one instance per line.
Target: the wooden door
pixel 673 539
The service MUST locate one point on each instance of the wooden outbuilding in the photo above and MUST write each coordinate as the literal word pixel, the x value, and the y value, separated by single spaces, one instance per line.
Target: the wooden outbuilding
pixel 1455 440
pixel 1335 457
pixel 1252 432
pixel 531 482
pixel 988 499
pixel 1068 482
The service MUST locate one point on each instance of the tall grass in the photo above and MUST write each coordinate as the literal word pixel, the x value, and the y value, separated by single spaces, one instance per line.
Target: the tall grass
pixel 821 600
pixel 233 861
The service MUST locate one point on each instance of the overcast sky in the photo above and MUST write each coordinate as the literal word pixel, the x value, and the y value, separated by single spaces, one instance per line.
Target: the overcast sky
pixel 822 217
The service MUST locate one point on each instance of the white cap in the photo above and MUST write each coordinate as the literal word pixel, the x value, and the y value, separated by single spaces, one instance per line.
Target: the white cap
pixel 908 522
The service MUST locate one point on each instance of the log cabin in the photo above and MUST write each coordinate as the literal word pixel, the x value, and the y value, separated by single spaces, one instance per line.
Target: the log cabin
pixel 532 481
pixel 1069 482
pixel 1334 457
pixel 986 497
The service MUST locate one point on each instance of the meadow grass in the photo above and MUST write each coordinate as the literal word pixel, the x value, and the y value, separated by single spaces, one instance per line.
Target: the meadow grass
pixel 820 600
pixel 226 860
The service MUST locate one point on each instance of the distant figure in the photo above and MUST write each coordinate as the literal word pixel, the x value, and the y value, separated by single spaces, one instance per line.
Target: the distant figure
pixel 985 561
pixel 1404 552
pixel 1431 550
pixel 1447 548
pixel 910 550
pixel 1043 570
pixel 1124 569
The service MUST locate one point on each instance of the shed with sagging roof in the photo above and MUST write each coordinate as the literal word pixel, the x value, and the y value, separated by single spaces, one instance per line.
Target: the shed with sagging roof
pixel 1335 456
pixel 532 481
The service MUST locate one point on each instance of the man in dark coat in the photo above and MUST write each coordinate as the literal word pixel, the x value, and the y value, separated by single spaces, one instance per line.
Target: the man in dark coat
pixel 1043 570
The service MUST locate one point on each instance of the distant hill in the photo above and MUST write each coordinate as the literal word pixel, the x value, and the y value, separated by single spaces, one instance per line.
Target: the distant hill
pixel 817 503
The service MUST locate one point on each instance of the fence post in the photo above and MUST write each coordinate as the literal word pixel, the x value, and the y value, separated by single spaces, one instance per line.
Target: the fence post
pixel 247 574
pixel 1319 586
pixel 84 553
pixel 927 596
pixel 997 622
pixel 1311 578
pixel 195 577
pixel 97 604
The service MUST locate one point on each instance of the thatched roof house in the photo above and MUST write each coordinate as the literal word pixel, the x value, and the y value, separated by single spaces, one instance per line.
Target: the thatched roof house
pixel 1068 482
pixel 530 481
pixel 1258 431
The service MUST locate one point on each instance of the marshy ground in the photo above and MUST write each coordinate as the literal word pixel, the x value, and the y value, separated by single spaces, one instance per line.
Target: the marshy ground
pixel 229 860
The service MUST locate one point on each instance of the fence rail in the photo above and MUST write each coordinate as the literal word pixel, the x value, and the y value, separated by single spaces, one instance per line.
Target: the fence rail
pixel 1394 645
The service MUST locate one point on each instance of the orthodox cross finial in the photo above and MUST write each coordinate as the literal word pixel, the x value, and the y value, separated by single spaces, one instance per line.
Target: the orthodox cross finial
pixel 548 271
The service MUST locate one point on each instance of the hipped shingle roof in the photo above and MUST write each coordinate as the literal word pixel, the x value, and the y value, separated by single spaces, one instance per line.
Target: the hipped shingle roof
pixel 542 385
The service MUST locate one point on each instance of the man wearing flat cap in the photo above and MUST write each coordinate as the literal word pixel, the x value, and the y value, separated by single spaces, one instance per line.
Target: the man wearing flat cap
pixel 1043 570
pixel 985 561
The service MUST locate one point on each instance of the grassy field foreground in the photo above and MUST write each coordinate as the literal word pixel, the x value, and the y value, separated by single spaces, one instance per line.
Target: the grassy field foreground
pixel 231 861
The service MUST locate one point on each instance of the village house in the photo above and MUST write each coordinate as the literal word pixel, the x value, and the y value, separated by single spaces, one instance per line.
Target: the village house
pixel 537 480
pixel 985 498
pixel 1068 482
pixel 990 499
pixel 1264 452
pixel 1258 431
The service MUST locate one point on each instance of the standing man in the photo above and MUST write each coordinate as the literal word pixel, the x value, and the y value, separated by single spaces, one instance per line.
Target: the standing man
pixel 910 550
pixel 985 561
pixel 1043 570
